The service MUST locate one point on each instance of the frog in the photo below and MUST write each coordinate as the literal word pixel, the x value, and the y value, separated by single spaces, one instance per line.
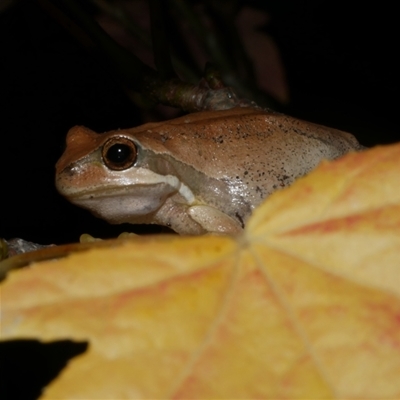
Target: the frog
pixel 203 172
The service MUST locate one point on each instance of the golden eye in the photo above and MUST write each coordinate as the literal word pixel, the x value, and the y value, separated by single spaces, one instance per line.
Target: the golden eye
pixel 119 153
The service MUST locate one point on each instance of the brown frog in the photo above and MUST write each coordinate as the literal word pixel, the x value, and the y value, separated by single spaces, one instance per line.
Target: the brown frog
pixel 203 172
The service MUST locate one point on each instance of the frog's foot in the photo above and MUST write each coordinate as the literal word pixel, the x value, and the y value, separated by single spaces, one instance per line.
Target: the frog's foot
pixel 213 220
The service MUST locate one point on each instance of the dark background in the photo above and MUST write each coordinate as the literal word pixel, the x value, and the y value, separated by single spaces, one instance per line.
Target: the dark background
pixel 339 60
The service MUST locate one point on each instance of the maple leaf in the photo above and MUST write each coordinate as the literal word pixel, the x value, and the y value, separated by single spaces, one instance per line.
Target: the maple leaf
pixel 304 304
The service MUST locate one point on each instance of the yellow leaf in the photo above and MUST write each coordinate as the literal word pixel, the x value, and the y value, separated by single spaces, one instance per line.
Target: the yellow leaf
pixel 304 304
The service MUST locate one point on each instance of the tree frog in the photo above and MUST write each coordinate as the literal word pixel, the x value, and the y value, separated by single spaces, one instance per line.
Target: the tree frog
pixel 203 172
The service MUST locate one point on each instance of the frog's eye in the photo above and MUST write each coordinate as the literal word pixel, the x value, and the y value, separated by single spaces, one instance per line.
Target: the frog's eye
pixel 119 153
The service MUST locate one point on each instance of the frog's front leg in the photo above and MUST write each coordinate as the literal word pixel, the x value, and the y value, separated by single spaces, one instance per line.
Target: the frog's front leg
pixel 194 219
pixel 214 220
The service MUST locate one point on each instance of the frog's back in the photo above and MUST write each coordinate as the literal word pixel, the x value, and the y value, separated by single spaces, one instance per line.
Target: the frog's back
pixel 250 152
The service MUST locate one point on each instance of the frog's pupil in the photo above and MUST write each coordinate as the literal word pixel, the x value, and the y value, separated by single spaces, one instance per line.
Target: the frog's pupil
pixel 119 153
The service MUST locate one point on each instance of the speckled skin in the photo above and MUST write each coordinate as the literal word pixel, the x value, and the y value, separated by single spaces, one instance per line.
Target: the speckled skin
pixel 231 160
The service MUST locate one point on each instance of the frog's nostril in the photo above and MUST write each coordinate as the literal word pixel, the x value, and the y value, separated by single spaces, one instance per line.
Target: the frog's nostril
pixel 70 170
